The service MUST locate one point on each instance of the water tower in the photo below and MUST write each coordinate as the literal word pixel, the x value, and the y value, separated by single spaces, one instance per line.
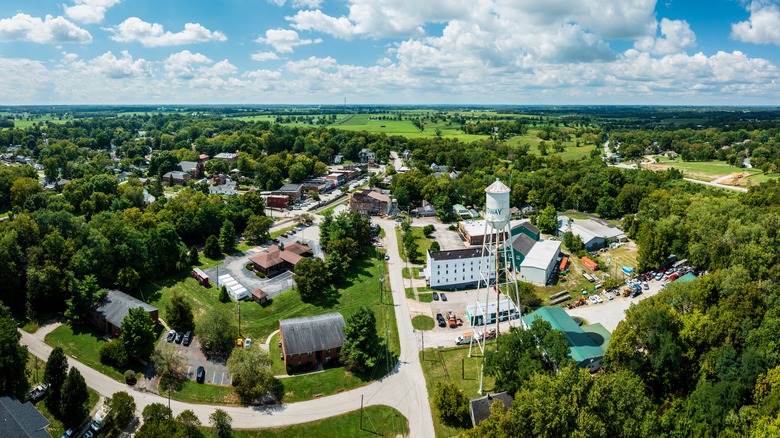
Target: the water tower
pixel 497 286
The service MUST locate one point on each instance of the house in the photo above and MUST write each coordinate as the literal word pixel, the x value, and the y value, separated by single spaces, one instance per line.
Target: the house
pixel 586 344
pixel 194 168
pixel 107 314
pixel 461 211
pixel 277 201
pixel 337 159
pixel 235 289
pixel 502 310
pixel 458 269
pixel 540 263
pixel 427 210
pixel 367 157
pixel 293 191
pixel 318 185
pixel 479 408
pixel 176 177
pixel 259 296
pixel 279 258
pixel 312 340
pixel 60 184
pixel 228 188
pixel 230 157
pixel 19 419
pixel 442 169
pixel 595 234
pixel 370 202
pixel 407 154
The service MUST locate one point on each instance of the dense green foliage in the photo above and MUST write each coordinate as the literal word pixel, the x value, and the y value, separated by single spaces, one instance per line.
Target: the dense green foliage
pixel 310 278
pixel 122 407
pixel 250 369
pixel 13 378
pixel 452 404
pixel 55 374
pixel 361 342
pixel 218 330
pixel 178 313
pixel 74 398
pixel 138 333
pixel 158 420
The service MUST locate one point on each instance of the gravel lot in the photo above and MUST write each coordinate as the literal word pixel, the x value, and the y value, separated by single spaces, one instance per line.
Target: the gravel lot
pixel 610 313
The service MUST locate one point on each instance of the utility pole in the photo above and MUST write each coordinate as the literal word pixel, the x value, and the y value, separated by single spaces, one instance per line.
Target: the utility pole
pixel 361 412
pixel 239 317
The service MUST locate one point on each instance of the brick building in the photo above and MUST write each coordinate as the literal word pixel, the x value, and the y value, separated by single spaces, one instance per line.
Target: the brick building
pixel 311 341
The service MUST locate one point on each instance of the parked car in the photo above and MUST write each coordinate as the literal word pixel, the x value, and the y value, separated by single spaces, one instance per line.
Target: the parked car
pixel 636 293
pixel 435 296
pixel 247 343
pixel 179 337
pixel 38 392
pixel 387 256
pixel 645 286
pixel 276 240
pixel 592 299
pixel 284 235
pixel 200 376
pixel 69 433
pixel 598 299
pixel 443 297
pixel 88 434
pixel 187 340
pixel 171 336
pixel 441 320
pixel 608 295
pixel 659 276
pixel 292 231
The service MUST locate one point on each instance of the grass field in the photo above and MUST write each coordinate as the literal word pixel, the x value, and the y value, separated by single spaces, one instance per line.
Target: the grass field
pixel 83 344
pixel 378 421
pixel 452 365
pixel 422 322
pixel 712 170
pixel 423 244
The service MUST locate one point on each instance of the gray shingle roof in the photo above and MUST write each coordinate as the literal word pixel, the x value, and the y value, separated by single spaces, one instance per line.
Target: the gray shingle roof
pixel 312 333
pixel 523 244
pixel 19 420
pixel 480 407
pixel 116 305
pixel 456 254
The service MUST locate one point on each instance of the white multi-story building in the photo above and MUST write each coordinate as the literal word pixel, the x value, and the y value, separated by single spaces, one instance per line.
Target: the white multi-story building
pixel 457 269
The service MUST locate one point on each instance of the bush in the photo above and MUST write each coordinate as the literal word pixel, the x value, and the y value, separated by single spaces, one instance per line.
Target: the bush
pixel 250 266
pixel 223 295
pixel 113 353
pixel 259 274
pixel 130 377
pixel 452 228
pixel 428 230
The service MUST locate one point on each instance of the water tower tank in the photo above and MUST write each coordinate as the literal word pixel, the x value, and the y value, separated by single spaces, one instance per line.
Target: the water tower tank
pixel 497 204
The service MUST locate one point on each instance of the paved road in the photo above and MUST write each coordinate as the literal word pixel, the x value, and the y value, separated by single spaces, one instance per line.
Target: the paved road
pixel 403 389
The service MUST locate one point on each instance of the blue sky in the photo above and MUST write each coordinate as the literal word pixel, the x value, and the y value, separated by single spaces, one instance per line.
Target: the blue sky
pixel 718 52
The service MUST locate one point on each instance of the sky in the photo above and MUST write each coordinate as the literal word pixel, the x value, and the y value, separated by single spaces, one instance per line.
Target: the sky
pixel 490 52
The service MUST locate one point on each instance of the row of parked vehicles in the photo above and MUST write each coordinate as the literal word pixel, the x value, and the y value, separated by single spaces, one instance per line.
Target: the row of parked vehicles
pixel 452 320
pixel 180 338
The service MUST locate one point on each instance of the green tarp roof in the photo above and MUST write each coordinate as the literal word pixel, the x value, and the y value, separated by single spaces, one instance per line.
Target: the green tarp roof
pixel 582 347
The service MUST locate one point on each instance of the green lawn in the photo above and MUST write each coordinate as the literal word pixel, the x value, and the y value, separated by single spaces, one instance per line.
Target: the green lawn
pixel 380 421
pixel 83 344
pixel 409 292
pixel 453 365
pixel 422 322
pixel 423 244
pixel 425 298
pixel 195 392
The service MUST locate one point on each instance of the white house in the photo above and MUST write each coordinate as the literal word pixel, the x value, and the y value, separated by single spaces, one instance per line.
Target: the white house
pixel 457 269
pixel 538 265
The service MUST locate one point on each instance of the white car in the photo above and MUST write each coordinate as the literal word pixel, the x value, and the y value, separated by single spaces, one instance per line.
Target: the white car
pixel 592 299
pixel 608 295
pixel 247 343
pixel 598 298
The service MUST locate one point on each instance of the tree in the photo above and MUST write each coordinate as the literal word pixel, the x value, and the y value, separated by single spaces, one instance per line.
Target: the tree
pixel 54 374
pixel 410 246
pixel 310 277
pixel 157 421
pixel 23 189
pixel 13 357
pixel 122 407
pixel 218 328
pixel 361 342
pixel 212 249
pixel 428 230
pixel 74 398
pixel 192 256
pixel 221 422
pixel 227 237
pixel 250 369
pixel 188 425
pixel 258 229
pixel 223 294
pixel 452 404
pixel 169 362
pixel 138 333
pixel 178 313
pixel 434 246
pixel 84 293
pixel 548 220
pixel 114 353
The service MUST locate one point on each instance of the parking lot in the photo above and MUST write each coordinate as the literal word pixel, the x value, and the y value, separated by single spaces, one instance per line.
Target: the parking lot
pixel 216 370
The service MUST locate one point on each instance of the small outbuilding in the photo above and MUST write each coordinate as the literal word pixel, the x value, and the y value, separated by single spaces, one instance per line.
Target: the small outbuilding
pixel 201 276
pixel 259 296
pixel 311 341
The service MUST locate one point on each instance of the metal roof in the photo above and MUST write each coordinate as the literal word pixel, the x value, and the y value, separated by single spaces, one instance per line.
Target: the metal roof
pixel 497 187
pixel 116 305
pixel 542 254
pixel 582 347
pixel 523 244
pixel 312 333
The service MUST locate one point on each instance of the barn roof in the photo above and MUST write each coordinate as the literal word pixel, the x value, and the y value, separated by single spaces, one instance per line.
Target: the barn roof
pixel 312 333
pixel 116 305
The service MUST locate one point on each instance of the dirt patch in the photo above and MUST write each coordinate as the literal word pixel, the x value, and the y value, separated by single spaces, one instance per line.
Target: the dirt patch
pixel 733 180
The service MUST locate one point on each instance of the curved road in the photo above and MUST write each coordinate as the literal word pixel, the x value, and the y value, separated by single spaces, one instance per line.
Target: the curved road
pixel 403 389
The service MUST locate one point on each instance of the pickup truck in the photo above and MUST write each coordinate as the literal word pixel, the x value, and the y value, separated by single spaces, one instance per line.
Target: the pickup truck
pixel 465 338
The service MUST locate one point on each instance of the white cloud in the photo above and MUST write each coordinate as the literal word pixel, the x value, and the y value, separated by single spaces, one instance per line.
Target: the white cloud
pixel 154 35
pixel 316 20
pixel 298 4
pixel 264 56
pixel 763 26
pixel 51 30
pixel 677 36
pixel 89 11
pixel 284 40
pixel 119 68
pixel 196 70
pixel 183 65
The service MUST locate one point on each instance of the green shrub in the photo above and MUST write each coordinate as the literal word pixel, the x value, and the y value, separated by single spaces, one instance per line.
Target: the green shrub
pixel 130 377
pixel 250 266
pixel 113 353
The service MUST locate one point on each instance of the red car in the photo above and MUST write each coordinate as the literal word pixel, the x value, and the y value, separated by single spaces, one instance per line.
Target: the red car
pixel 276 240
pixel 284 234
